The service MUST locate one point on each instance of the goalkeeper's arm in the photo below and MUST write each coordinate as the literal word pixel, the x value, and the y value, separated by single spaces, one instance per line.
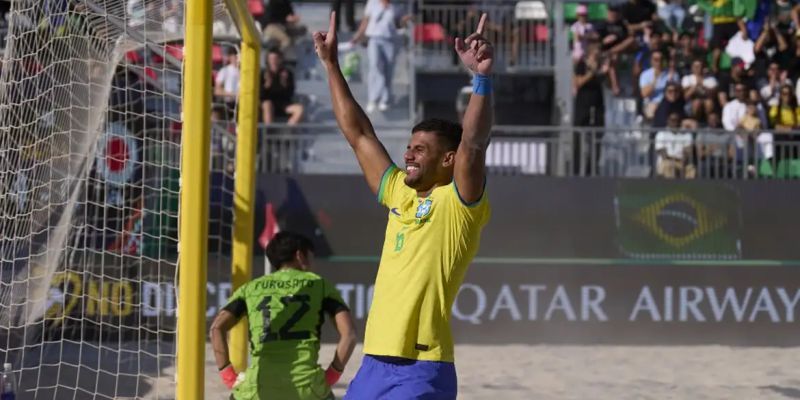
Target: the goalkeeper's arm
pixel 223 323
pixel 344 349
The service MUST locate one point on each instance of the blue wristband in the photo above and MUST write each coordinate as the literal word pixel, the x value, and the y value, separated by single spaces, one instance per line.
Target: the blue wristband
pixel 481 85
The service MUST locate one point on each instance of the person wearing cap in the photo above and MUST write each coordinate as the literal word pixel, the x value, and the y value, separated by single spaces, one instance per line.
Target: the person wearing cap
pixel 581 29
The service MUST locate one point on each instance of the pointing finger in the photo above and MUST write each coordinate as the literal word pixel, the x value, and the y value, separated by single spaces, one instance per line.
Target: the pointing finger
pixel 332 25
pixel 481 24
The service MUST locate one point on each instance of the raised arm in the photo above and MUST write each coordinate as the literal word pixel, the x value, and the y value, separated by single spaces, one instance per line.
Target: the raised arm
pixel 353 122
pixel 476 54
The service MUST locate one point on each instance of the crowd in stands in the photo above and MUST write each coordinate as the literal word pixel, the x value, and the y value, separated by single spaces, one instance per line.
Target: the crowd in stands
pixel 714 81
pixel 282 29
pixel 694 66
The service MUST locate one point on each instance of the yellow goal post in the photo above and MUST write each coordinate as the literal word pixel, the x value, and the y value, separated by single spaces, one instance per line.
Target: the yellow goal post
pixel 195 186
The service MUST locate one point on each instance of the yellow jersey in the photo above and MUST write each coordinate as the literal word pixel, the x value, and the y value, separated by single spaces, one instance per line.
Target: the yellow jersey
pixel 428 246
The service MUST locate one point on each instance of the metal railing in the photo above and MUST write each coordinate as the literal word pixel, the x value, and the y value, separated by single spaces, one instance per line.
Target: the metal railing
pixel 521 31
pixel 561 152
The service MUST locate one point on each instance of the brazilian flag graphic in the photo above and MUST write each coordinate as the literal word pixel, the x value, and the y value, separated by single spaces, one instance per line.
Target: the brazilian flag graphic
pixel 678 220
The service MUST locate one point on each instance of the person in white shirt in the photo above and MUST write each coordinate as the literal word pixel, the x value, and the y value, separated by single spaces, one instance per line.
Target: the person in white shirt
pixel 735 110
pixel 226 85
pixel 698 88
pixel 379 26
pixel 674 147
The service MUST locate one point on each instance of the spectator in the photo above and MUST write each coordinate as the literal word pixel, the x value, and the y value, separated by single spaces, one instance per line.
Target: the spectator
pixel 615 40
pixel 728 81
pixel 698 88
pixel 674 149
pixel 671 104
pixel 726 20
pixel 785 116
pixel 715 150
pixel 581 29
pixel 760 16
pixel 614 33
pixel 349 16
pixel 793 67
pixel 685 52
pixel 751 122
pixel 653 81
pixel 783 13
pixel 589 76
pixel 747 147
pixel 642 59
pixel 672 13
pixel 771 45
pixel 735 110
pixel 277 92
pixel 638 14
pixel 769 86
pixel 589 109
pixel 226 86
pixel 379 26
pixel 281 24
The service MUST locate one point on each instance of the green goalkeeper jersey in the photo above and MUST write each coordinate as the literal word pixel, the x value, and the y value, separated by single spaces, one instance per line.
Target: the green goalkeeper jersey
pixel 285 311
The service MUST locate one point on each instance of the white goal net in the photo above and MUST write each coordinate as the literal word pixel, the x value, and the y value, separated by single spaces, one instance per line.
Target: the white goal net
pixel 90 133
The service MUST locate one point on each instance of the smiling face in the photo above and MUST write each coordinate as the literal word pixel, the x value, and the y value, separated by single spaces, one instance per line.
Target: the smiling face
pixel 427 161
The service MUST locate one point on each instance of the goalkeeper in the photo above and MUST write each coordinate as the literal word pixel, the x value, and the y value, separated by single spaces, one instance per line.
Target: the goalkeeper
pixel 285 311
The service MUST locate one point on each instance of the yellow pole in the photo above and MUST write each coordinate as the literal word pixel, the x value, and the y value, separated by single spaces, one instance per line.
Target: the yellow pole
pixel 245 182
pixel 244 192
pixel 196 138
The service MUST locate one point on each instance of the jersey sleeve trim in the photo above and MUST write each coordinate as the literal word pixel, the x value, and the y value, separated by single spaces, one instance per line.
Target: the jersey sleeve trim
pixel 384 179
pixel 236 307
pixel 474 203
pixel 333 306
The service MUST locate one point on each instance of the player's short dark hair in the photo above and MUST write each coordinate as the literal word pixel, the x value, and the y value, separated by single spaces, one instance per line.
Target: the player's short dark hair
pixel 275 50
pixel 449 133
pixel 284 245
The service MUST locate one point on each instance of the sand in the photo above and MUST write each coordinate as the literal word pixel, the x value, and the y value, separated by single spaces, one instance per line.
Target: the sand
pixel 517 372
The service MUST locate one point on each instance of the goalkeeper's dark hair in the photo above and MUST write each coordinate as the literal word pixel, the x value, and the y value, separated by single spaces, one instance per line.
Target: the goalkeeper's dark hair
pixel 283 247
pixel 449 133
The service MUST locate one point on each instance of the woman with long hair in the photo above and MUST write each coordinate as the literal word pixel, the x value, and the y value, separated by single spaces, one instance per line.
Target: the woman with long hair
pixel 785 118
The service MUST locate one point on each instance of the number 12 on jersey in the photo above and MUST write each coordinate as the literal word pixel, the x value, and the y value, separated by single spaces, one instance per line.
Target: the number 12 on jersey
pixel 284 332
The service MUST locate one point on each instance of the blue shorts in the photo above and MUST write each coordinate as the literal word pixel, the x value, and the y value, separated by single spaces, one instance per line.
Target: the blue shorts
pixel 392 378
